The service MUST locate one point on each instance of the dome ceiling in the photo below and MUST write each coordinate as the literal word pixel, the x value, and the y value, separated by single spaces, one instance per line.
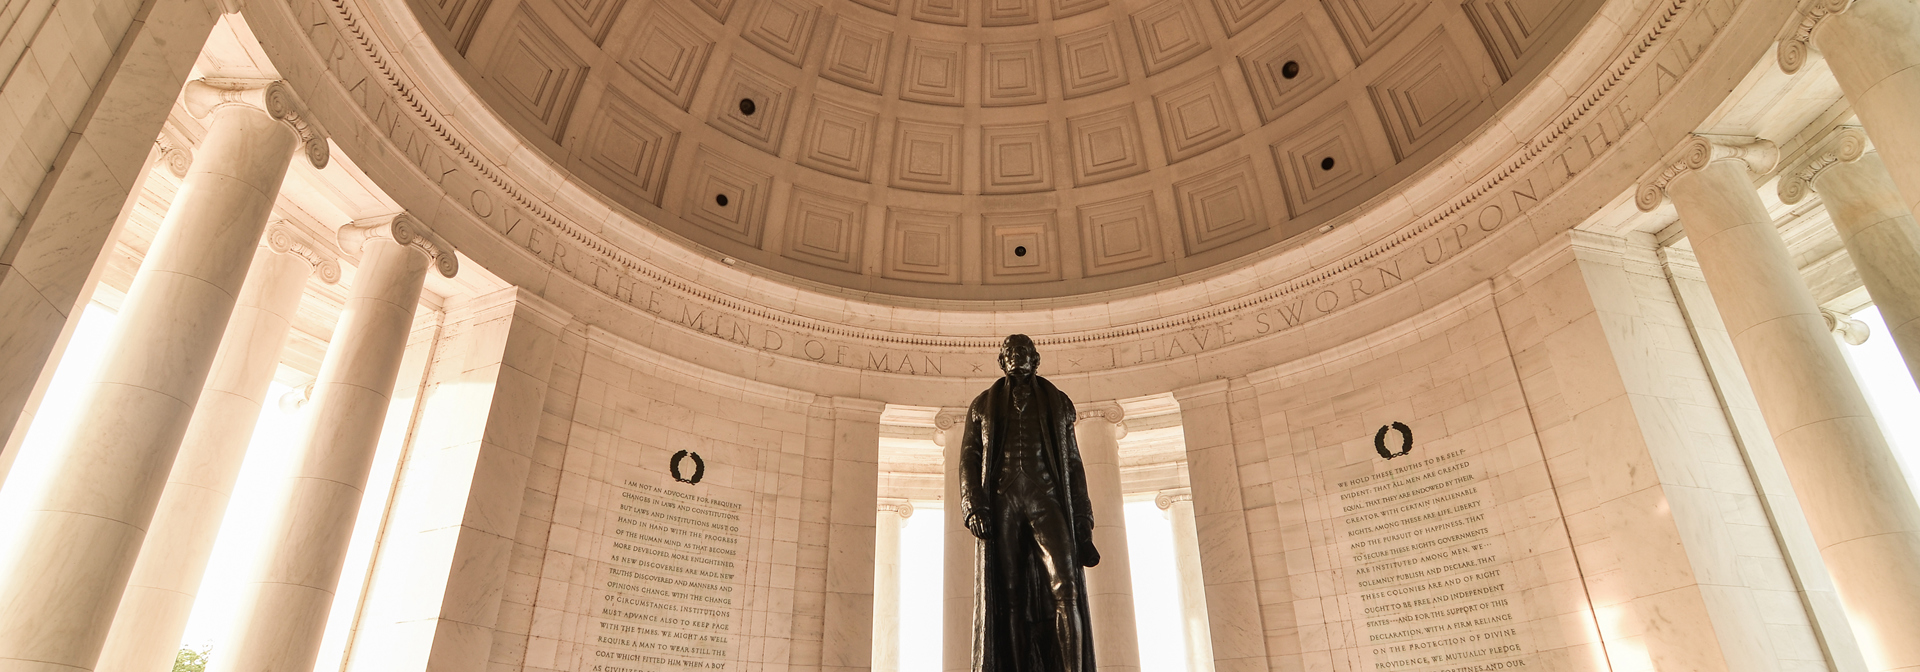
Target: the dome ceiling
pixel 994 149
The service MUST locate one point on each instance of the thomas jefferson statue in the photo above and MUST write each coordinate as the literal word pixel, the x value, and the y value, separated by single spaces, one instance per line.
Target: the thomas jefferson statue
pixel 1024 495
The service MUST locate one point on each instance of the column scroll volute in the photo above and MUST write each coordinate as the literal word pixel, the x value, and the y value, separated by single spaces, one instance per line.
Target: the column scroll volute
pixel 945 421
pixel 404 230
pixel 287 238
pixel 176 153
pixel 203 96
pixel 1796 49
pixel 1760 156
pixel 1109 411
pixel 1845 144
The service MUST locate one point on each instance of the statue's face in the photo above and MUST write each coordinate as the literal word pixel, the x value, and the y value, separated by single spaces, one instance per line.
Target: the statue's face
pixel 1018 357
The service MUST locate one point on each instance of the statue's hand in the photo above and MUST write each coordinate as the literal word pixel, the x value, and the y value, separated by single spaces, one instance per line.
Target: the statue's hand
pixel 1089 556
pixel 977 523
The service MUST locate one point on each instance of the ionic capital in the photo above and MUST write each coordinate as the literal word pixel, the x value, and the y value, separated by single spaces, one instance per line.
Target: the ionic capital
pixel 1797 46
pixel 1853 331
pixel 948 417
pixel 1696 153
pixel 285 238
pixel 1166 498
pixel 403 229
pixel 1842 145
pixel 1109 411
pixel 275 97
pixel 900 507
pixel 175 152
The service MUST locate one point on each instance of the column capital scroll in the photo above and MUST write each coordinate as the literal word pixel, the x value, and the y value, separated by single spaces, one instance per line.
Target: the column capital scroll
pixel 948 417
pixel 1110 411
pixel 1853 331
pixel 1166 498
pixel 899 506
pixel 203 96
pixel 403 229
pixel 1796 48
pixel 1696 153
pixel 1841 145
pixel 286 238
pixel 175 151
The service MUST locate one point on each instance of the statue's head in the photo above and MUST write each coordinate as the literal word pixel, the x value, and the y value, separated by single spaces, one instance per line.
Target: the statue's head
pixel 1018 356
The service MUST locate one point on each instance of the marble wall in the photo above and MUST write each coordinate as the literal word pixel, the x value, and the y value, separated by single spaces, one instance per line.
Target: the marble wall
pixel 780 565
pixel 1535 474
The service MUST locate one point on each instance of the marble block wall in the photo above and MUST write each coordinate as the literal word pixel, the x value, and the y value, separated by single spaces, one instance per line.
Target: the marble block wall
pixel 1537 473
pixel 616 416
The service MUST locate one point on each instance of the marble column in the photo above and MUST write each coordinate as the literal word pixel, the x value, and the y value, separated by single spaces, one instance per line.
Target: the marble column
pixel 153 614
pixel 956 614
pixel 78 544
pixel 1109 584
pixel 891 516
pixel 284 606
pixel 1876 226
pixel 847 620
pixel 1858 504
pixel 1873 48
pixel 1178 505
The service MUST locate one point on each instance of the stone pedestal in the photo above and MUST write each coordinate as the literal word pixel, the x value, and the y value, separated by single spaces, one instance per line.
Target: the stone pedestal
pixel 1116 645
pixel 1858 504
pixel 892 515
pixel 1874 223
pixel 79 543
pixel 1193 587
pixel 160 595
pixel 284 611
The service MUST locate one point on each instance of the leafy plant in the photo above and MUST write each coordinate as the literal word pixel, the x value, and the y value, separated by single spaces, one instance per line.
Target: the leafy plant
pixel 190 660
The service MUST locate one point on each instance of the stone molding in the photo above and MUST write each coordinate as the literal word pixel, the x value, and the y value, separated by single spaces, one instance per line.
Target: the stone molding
pixel 1841 145
pixel 405 230
pixel 286 238
pixel 275 97
pixel 1797 47
pixel 1695 153
pixel 693 375
pixel 1510 187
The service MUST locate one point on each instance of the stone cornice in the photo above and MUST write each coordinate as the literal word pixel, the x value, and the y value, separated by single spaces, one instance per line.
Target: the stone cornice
pixel 1842 144
pixel 403 229
pixel 275 97
pixel 1698 151
pixel 285 238
pixel 1797 46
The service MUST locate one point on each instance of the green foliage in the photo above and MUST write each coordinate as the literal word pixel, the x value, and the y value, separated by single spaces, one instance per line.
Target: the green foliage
pixel 189 660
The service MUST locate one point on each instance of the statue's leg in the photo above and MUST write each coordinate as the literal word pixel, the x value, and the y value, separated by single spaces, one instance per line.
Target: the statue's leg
pixel 1054 537
pixel 1011 536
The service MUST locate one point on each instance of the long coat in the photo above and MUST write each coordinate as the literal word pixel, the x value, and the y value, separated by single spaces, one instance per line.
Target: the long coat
pixel 979 463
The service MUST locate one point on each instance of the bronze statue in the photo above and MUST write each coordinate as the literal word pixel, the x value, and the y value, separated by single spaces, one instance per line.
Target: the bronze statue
pixel 1024 495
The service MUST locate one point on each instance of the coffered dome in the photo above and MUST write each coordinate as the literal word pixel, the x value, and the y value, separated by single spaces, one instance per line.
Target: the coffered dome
pixel 995 149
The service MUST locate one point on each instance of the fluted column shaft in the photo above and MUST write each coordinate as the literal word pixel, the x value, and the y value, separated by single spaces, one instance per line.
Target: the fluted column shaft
pixel 1857 503
pixel 956 616
pixel 77 546
pixel 1109 584
pixel 153 615
pixel 1874 50
pixel 1884 241
pixel 892 515
pixel 1193 586
pixel 283 612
